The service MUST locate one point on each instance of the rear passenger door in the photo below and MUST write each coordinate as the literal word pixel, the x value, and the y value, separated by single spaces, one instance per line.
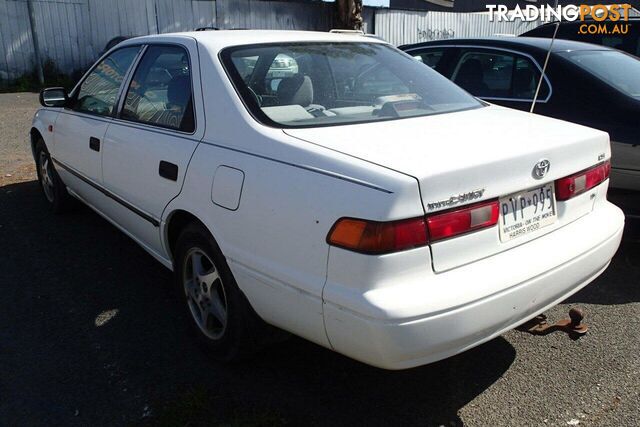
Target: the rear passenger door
pixel 149 144
pixel 499 76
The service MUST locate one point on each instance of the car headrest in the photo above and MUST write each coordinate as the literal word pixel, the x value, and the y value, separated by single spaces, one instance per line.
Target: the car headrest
pixel 471 71
pixel 179 91
pixel 295 90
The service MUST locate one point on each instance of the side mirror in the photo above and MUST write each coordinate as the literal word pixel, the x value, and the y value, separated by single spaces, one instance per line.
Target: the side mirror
pixel 54 97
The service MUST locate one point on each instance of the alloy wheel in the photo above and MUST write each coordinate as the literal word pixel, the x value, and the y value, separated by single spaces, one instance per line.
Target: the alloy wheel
pixel 205 293
pixel 46 176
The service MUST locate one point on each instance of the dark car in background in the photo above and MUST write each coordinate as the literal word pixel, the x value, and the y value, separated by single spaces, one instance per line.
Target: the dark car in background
pixel 629 42
pixel 591 85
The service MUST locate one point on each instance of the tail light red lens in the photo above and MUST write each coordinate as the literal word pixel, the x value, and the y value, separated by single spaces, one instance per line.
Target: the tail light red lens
pixel 453 223
pixel 372 237
pixel 580 182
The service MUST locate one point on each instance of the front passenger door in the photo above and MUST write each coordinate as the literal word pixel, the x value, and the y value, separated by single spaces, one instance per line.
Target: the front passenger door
pixel 80 129
pixel 148 146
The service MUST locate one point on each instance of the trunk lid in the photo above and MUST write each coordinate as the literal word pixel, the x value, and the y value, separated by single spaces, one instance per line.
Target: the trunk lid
pixel 473 155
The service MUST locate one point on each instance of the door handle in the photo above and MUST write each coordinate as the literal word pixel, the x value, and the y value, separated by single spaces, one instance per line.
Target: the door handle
pixel 94 144
pixel 168 170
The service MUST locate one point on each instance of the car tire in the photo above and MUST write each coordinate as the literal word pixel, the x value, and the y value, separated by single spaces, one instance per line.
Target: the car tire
pixel 219 315
pixel 53 189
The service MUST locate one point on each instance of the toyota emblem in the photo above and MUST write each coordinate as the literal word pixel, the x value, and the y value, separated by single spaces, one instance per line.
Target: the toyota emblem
pixel 541 168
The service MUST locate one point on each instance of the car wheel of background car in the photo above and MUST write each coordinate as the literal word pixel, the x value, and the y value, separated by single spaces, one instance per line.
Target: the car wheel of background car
pixel 54 190
pixel 224 322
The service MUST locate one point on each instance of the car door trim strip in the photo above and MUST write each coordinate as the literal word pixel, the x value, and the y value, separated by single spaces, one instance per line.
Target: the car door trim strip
pixel 109 194
pixel 186 137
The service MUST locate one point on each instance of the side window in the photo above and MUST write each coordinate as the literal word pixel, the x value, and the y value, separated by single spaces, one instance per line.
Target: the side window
pixel 98 93
pixel 485 74
pixel 160 92
pixel 430 57
pixel 501 75
pixel 525 81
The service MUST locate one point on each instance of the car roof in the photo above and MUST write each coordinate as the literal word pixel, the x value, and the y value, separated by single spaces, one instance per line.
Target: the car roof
pixel 530 43
pixel 219 39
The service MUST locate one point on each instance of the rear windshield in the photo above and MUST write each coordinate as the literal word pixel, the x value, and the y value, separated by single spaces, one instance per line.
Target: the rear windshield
pixel 318 84
pixel 620 70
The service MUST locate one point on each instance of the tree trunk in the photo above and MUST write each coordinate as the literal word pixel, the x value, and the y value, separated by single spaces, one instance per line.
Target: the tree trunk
pixel 349 14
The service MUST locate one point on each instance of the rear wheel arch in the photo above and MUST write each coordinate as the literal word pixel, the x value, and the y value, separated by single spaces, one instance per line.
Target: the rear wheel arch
pixel 177 221
pixel 250 333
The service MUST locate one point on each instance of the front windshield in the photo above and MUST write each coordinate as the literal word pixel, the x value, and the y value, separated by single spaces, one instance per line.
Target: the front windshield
pixel 620 70
pixel 318 84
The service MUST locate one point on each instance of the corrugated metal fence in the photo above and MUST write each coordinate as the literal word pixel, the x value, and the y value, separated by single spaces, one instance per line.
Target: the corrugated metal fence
pixel 72 33
pixel 404 26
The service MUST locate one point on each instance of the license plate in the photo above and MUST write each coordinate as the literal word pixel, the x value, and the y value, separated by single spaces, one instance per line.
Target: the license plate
pixel 526 212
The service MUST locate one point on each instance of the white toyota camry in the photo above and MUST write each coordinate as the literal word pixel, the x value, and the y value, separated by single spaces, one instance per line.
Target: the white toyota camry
pixel 330 185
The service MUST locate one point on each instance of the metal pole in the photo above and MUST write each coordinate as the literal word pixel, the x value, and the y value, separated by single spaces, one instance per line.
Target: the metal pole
pixel 546 61
pixel 544 67
pixel 36 45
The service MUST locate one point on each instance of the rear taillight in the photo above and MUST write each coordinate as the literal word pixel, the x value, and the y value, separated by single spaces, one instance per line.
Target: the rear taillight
pixel 459 221
pixel 373 237
pixel 580 182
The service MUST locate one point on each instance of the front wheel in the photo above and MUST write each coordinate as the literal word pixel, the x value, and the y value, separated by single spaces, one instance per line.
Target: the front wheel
pixel 54 190
pixel 219 313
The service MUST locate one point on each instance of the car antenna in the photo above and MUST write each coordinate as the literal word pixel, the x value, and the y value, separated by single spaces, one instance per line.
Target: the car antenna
pixel 546 61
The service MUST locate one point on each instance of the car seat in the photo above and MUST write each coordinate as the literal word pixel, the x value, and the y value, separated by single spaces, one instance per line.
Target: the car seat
pixel 178 111
pixel 298 90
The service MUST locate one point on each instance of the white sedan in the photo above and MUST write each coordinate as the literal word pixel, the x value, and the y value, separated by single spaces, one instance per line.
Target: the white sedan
pixel 360 200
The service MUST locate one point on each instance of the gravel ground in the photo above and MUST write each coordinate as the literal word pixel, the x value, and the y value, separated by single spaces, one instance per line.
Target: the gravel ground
pixel 93 336
pixel 16 113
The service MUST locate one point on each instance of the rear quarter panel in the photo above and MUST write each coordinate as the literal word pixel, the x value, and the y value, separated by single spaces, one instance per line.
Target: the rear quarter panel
pixel 275 241
pixel 292 193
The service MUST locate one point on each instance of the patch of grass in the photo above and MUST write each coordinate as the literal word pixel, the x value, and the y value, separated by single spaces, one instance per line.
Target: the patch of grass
pixel 199 407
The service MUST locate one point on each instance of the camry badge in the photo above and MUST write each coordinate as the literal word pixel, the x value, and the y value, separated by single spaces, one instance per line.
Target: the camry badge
pixel 541 168
pixel 456 199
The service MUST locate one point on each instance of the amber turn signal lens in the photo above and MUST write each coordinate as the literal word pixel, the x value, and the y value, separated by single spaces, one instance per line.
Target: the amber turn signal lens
pixel 372 237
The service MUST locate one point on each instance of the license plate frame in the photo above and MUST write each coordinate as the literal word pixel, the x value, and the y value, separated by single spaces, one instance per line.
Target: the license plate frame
pixel 525 212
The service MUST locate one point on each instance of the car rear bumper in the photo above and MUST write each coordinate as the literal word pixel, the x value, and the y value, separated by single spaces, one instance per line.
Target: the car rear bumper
pixel 584 249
